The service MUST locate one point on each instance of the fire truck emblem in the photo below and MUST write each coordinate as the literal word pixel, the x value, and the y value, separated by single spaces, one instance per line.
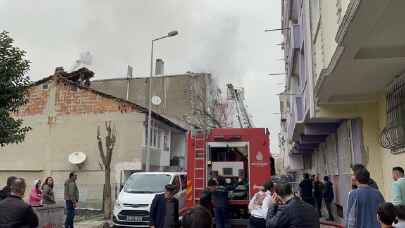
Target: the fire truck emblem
pixel 259 156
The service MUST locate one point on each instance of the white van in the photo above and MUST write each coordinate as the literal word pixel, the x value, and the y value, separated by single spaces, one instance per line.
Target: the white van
pixel 132 207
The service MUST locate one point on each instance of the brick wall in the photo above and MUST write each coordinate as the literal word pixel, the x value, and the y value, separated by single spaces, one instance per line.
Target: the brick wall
pixel 73 100
pixel 70 100
pixel 37 101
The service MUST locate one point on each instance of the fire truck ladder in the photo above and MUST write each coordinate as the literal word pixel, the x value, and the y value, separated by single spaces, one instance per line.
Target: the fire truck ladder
pixel 243 115
pixel 199 165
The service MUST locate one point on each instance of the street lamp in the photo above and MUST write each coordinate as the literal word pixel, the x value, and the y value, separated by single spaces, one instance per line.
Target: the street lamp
pixel 148 137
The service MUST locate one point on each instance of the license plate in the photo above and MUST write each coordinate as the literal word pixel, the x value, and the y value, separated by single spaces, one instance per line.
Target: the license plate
pixel 134 218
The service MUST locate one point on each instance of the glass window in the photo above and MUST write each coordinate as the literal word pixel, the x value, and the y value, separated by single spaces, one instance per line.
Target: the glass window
pixel 146 183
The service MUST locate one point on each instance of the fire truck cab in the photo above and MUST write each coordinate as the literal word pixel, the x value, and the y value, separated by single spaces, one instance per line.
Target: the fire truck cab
pixel 241 156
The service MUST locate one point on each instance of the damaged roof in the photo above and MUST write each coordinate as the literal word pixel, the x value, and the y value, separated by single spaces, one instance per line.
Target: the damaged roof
pixel 78 78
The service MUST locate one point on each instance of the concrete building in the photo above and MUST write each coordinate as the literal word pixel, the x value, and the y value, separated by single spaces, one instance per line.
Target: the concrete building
pixel 181 95
pixel 343 102
pixel 64 113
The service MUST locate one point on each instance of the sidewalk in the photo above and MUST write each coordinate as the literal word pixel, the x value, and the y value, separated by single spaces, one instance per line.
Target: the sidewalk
pixel 93 222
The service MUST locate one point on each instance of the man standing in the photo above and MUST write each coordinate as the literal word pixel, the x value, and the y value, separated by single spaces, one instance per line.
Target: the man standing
pixel 14 212
pixel 370 183
pixel 164 211
pixel 219 199
pixel 398 186
pixel 328 196
pixel 363 202
pixel 288 211
pixel 5 192
pixel 71 199
pixel 306 190
pixel 206 196
pixel 318 188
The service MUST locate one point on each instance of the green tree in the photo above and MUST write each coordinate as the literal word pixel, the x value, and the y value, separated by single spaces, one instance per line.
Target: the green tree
pixel 14 86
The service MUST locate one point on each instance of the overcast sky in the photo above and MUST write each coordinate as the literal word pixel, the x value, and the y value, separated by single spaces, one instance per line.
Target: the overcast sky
pixel 223 37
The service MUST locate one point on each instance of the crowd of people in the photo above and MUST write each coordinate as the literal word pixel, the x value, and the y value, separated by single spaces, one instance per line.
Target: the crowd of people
pixel 15 212
pixel 275 205
pixel 314 192
pixel 365 201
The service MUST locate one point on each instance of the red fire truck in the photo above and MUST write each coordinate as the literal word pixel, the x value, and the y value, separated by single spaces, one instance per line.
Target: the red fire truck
pixel 240 155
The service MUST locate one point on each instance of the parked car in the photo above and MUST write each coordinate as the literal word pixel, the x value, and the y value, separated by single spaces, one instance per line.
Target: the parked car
pixel 132 207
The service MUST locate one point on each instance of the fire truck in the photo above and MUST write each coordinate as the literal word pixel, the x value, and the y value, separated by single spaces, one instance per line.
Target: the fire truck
pixel 240 155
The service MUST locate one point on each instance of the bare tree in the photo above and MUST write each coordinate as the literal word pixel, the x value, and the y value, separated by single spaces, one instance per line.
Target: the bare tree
pixel 106 156
pixel 209 107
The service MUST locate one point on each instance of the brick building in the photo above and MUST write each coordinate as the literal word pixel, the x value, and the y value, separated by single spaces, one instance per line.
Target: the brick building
pixel 64 113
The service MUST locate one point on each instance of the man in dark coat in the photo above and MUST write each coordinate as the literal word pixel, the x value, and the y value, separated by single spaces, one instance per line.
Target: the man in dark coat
pixel 5 192
pixel 288 211
pixel 164 211
pixel 14 212
pixel 328 196
pixel 219 199
pixel 318 189
pixel 306 190
pixel 206 196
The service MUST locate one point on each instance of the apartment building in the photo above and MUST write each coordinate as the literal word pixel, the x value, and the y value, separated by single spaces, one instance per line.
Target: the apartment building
pixel 345 89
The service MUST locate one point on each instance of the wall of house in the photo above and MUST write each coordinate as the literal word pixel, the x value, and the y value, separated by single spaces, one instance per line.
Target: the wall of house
pixel 389 160
pixel 64 119
pixel 177 92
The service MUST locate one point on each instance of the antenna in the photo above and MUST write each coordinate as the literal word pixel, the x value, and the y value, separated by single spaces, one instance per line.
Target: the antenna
pixel 130 71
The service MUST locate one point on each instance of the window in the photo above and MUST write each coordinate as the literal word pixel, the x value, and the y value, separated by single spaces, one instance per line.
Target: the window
pixel 393 135
pixel 146 183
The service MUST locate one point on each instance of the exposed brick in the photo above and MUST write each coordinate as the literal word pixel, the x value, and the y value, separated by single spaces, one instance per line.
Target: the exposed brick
pixel 73 100
pixel 37 101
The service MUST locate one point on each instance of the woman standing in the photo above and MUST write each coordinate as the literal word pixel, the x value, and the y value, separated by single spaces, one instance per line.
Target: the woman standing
pixel 36 194
pixel 48 196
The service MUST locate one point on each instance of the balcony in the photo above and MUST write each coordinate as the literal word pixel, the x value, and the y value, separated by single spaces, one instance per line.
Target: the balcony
pixel 370 53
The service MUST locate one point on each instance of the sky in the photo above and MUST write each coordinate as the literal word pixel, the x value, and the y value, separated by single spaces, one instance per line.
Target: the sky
pixel 223 37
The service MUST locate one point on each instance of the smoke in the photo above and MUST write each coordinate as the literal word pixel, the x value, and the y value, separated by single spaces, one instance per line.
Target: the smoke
pixel 118 33
pixel 216 41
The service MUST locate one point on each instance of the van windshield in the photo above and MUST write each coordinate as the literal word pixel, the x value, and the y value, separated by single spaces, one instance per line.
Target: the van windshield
pixel 147 183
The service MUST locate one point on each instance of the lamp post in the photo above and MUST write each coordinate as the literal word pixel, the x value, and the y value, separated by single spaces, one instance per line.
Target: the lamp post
pixel 148 137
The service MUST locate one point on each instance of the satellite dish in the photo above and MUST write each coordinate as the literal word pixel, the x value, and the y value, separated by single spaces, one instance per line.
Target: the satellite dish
pixel 77 158
pixel 156 100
